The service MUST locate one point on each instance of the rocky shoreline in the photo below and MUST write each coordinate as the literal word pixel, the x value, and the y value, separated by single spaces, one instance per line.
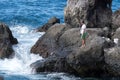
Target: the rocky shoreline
pixel 61 44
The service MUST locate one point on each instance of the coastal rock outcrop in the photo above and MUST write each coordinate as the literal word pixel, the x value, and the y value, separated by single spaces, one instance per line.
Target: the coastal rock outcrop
pixel 61 44
pixel 48 43
pixel 88 61
pixel 62 39
pixel 61 47
pixel 6 41
pixel 116 26
pixel 95 13
pixel 112 60
pixel 50 23
pixel 52 64
pixel 116 20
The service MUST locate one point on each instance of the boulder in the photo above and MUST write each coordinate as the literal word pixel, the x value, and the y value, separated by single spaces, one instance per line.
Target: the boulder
pixel 52 64
pixel 88 61
pixel 50 23
pixel 95 13
pixel 116 26
pixel 103 32
pixel 60 39
pixel 112 60
pixel 48 43
pixel 116 20
pixel 70 40
pixel 62 50
pixel 6 41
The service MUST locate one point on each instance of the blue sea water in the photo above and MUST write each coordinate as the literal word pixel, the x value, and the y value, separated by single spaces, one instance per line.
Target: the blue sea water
pixel 22 16
pixel 30 12
pixel 115 5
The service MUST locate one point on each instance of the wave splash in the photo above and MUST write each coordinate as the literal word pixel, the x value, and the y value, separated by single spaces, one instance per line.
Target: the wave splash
pixel 20 63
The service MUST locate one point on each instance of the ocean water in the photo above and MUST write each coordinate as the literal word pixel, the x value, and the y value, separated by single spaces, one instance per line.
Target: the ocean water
pixel 30 12
pixel 115 5
pixel 23 16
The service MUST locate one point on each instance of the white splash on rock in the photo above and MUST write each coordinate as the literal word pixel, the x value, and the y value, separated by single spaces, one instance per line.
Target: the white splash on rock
pixel 116 41
pixel 20 63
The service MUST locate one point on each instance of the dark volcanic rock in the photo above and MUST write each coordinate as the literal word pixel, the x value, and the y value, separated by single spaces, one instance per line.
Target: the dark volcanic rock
pixel 88 61
pixel 64 51
pixel 50 23
pixel 6 41
pixel 95 13
pixel 69 41
pixel 61 44
pixel 60 40
pixel 52 64
pixel 48 43
pixel 80 61
pixel 112 60
pixel 103 32
pixel 116 25
pixel 116 20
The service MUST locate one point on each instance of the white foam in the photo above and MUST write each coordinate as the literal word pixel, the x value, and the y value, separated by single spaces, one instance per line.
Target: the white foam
pixel 20 64
pixel 116 40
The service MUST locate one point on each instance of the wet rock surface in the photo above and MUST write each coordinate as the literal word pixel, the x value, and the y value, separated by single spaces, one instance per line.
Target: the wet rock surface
pixel 6 41
pixel 116 20
pixel 95 13
pixel 47 25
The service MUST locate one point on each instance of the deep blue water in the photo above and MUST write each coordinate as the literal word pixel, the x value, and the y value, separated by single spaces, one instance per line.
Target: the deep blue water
pixel 116 5
pixel 30 12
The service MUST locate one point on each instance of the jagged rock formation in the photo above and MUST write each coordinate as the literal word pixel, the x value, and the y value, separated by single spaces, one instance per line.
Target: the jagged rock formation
pixel 116 20
pixel 116 26
pixel 6 41
pixel 95 13
pixel 112 60
pixel 47 44
pixel 50 23
pixel 61 44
